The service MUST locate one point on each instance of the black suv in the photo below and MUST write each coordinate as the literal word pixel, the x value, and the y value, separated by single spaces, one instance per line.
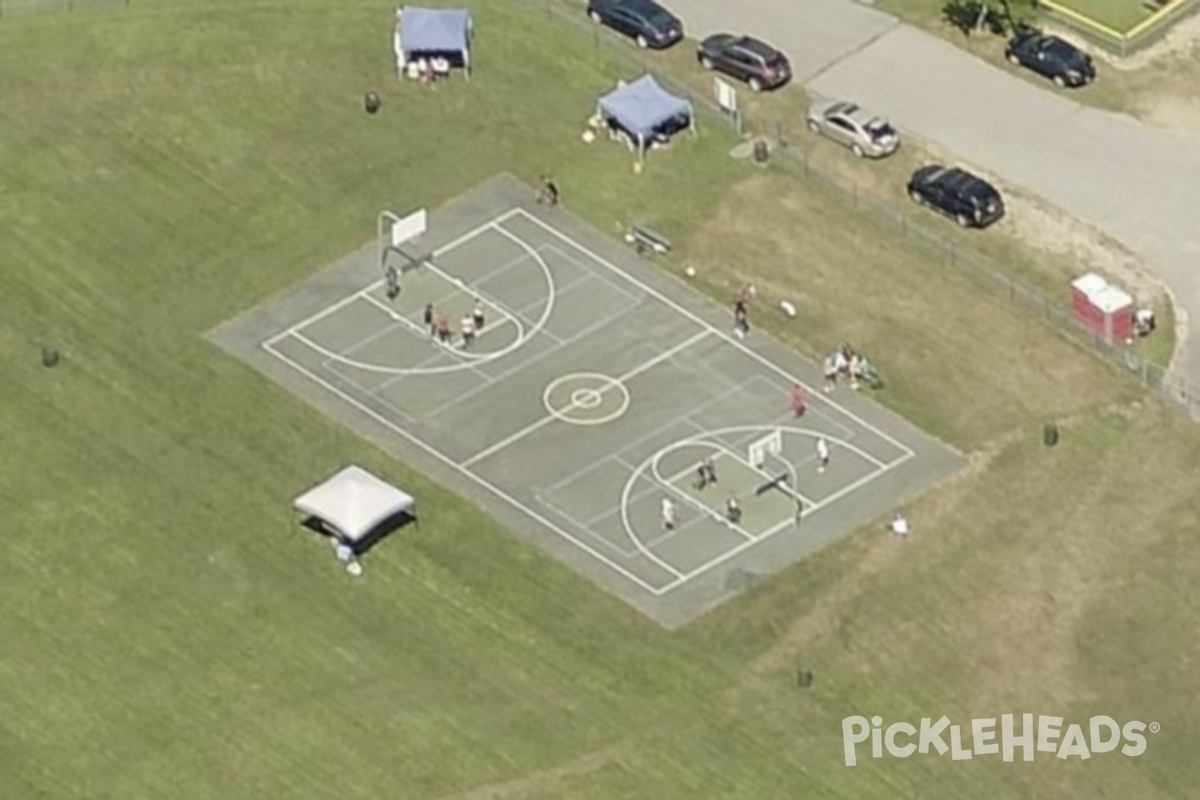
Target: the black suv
pixel 644 21
pixel 751 60
pixel 1052 57
pixel 972 201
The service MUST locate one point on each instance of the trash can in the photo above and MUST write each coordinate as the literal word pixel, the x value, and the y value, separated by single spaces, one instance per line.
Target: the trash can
pixel 761 151
pixel 1050 434
pixel 49 357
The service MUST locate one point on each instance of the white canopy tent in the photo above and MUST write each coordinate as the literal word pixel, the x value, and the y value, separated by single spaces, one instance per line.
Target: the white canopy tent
pixel 352 504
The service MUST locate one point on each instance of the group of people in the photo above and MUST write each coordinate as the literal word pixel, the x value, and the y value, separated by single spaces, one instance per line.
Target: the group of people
pixel 733 513
pixel 441 329
pixel 845 362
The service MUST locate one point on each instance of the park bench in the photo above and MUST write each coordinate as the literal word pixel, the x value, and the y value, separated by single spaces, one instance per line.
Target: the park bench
pixel 645 240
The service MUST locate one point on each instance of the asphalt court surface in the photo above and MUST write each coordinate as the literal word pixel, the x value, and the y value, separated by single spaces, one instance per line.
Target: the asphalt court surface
pixel 594 390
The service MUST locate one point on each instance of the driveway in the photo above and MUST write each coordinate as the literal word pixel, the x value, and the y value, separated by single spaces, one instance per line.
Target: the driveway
pixel 1137 183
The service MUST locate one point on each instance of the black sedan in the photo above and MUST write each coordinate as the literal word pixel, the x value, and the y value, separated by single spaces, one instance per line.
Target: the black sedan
pixel 1059 60
pixel 969 199
pixel 644 21
pixel 757 63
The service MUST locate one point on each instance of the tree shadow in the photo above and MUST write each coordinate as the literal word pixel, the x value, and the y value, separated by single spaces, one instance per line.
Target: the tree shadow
pixel 970 16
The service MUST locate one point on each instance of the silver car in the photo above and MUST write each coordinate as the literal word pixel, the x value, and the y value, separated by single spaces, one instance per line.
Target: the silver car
pixel 866 134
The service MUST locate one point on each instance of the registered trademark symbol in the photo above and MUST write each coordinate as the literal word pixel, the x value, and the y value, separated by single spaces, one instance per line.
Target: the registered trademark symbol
pixel 1155 727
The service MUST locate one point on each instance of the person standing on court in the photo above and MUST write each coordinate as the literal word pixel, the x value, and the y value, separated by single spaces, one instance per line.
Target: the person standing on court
pixel 733 511
pixel 706 473
pixel 548 195
pixel 798 401
pixel 468 331
pixel 442 325
pixel 427 318
pixel 668 514
pixel 393 282
pixel 477 315
pixel 741 319
pixel 822 454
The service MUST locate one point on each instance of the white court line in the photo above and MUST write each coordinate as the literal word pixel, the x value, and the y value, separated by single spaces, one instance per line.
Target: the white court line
pixel 840 493
pixel 707 512
pixel 700 321
pixel 552 293
pixel 345 301
pixel 700 429
pixel 632 298
pixel 514 502
pixel 461 468
pixel 420 328
pixel 462 286
pixel 546 420
pixel 586 525
pixel 523 364
pixel 792 492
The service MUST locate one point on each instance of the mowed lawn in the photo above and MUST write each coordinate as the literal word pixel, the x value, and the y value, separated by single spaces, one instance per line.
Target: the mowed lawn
pixel 170 633
pixel 1119 15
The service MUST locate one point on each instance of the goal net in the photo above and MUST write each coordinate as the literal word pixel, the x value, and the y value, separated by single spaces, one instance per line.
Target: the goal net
pixel 758 450
pixel 766 456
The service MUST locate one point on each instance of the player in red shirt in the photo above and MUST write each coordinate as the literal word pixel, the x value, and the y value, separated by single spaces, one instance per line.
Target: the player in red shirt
pixel 798 400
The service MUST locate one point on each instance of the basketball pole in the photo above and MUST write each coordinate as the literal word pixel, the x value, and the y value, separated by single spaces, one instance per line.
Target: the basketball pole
pixel 794 477
pixel 384 228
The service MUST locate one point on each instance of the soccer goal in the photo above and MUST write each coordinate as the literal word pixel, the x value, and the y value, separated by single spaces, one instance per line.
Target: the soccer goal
pixel 394 233
pixel 758 450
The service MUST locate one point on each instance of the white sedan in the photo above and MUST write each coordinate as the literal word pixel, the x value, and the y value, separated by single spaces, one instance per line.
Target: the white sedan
pixel 866 134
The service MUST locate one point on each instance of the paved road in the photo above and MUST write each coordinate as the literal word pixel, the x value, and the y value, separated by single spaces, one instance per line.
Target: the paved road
pixel 1139 184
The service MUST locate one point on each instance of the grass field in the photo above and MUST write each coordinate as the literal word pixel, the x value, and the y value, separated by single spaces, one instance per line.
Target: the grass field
pixel 1119 15
pixel 168 631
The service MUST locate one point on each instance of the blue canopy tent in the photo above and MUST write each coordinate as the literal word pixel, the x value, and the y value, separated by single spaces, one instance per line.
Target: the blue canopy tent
pixel 643 110
pixel 442 32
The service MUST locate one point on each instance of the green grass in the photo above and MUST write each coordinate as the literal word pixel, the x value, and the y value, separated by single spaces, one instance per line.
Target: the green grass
pixel 170 633
pixel 1118 15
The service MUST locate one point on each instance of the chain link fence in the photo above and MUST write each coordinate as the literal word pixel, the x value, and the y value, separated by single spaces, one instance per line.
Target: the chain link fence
pixel 1053 310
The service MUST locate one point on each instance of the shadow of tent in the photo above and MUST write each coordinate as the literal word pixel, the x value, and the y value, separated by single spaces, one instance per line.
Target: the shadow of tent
pixel 377 534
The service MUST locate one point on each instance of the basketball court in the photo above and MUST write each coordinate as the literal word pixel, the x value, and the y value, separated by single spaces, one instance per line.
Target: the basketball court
pixel 592 393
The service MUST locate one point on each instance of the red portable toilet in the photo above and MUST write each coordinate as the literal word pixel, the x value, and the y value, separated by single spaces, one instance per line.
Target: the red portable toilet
pixel 1115 308
pixel 1082 289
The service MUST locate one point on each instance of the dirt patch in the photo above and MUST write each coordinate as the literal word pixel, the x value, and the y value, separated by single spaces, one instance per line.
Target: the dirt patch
pixel 1179 42
pixel 1053 231
pixel 1160 85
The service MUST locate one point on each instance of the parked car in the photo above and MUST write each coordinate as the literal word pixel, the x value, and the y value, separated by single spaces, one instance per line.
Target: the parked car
pixel 751 60
pixel 1059 60
pixel 969 199
pixel 866 134
pixel 644 21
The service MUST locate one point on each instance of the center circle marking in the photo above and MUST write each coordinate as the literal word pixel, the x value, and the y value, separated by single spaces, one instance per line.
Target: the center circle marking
pixel 587 391
pixel 586 398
